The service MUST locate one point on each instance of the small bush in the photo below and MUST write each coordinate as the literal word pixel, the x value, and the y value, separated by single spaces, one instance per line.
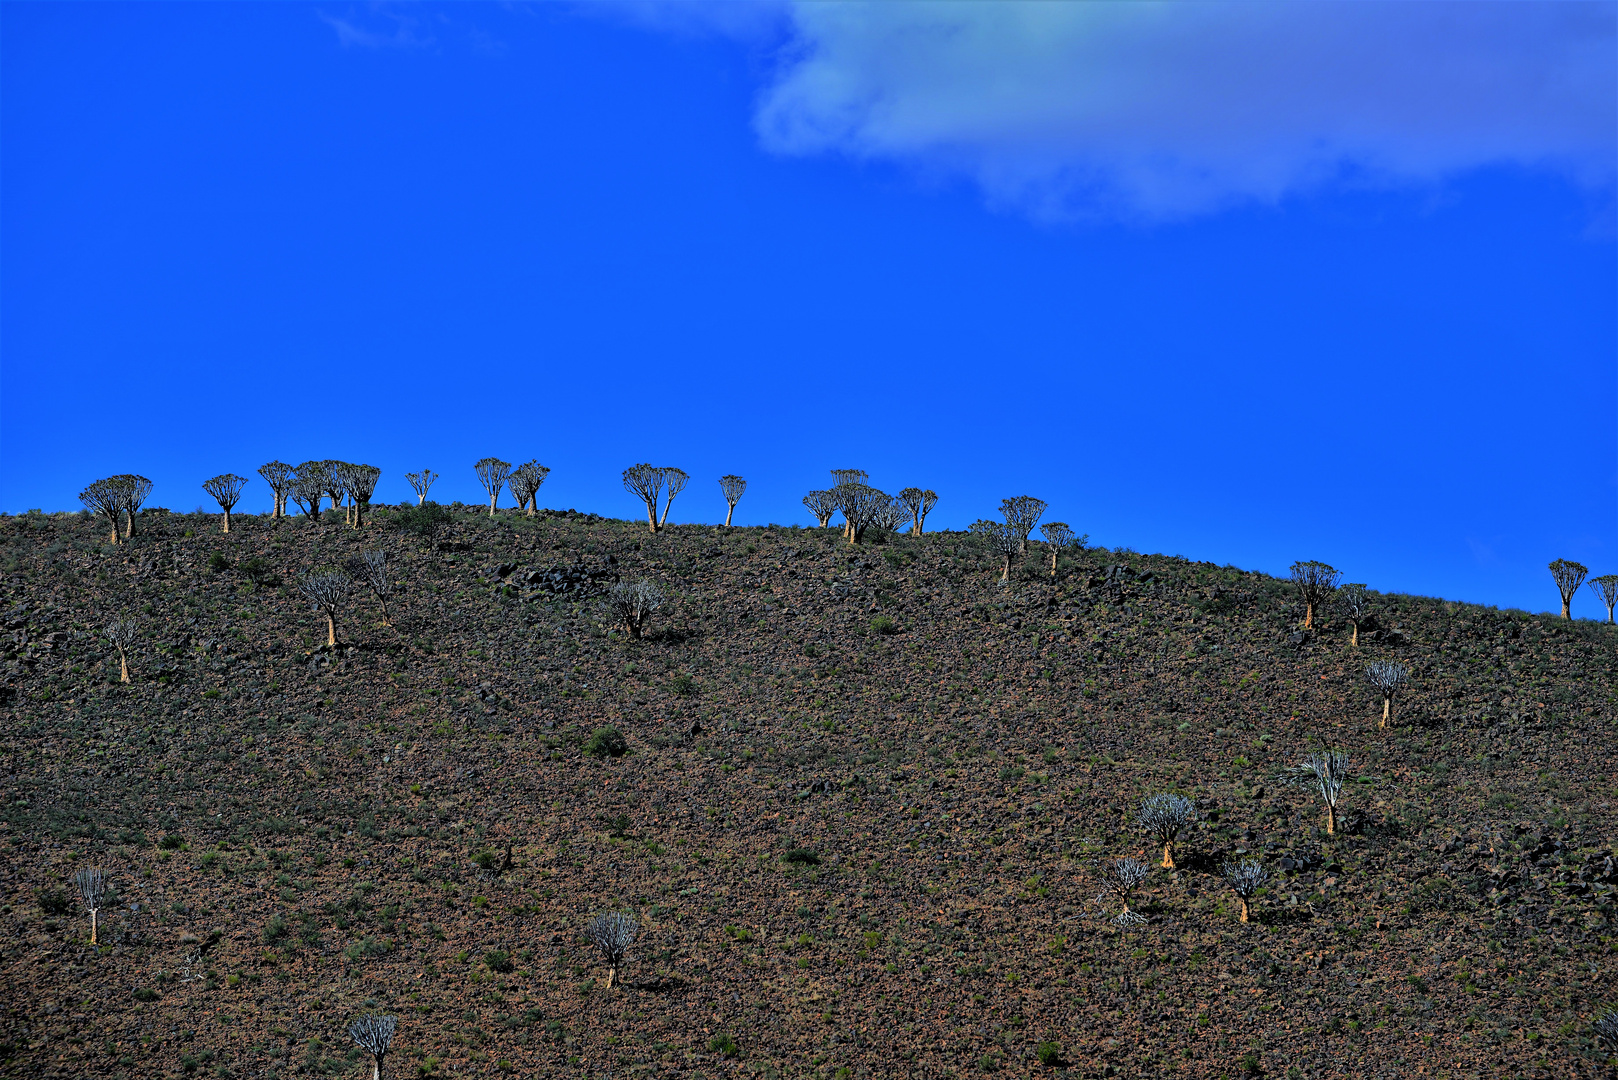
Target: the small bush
pixel 486 859
pixel 499 960
pixel 218 563
pixel 171 842
pixel 1049 1053
pixel 276 929
pixel 802 856
pixel 683 684
pixel 606 742
pixel 54 902
pixel 145 994
pixel 722 1044
pixel 882 624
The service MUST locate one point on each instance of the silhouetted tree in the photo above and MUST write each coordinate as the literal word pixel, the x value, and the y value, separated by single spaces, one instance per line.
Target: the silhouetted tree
pixel 920 503
pixel 133 492
pixel 1327 771
pixel 226 488
pixel 308 484
pixel 1389 677
pixel 525 482
pixel 327 592
pixel 731 487
pixel 1606 587
pixel 674 481
pixel 1059 537
pixel 370 568
pixel 1316 582
pixel 891 517
pixel 277 474
pixel 1569 576
pixel 103 497
pixel 1003 539
pixel 646 482
pixel 1245 878
pixel 843 479
pixel 492 473
pixel 92 886
pixel 861 505
pixel 822 504
pixel 633 603
pixel 1354 601
pixel 1163 817
pixel 421 482
pixel 374 1034
pixel 358 482
pixel 332 472
pixel 1022 513
pixel 612 934
pixel 121 632
pixel 1121 877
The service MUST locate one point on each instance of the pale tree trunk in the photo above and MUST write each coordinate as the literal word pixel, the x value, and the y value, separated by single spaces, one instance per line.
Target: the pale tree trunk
pixel 1567 607
pixel 730 514
pixel 1354 638
pixel 666 508
pixel 651 515
pixel 227 521
pixel 1168 855
pixel 1005 570
pixel 1309 615
pixel 492 500
pixel 1387 711
pixel 115 529
pixel 123 665
pixel 331 631
pixel 1053 563
pixel 385 620
pixel 129 527
pixel 533 502
pixel 421 498
pixel 1331 820
pixel 93 926
pixel 1243 899
pixel 1609 613
pixel 612 976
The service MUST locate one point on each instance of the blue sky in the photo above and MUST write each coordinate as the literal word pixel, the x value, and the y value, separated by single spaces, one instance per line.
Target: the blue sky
pixel 1201 300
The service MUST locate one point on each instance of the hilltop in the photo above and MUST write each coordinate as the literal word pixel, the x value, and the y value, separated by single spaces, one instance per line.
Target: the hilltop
pixel 859 810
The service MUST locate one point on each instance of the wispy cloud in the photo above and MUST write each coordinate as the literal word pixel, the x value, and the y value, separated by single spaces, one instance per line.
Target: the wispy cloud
pixel 1162 110
pixel 382 27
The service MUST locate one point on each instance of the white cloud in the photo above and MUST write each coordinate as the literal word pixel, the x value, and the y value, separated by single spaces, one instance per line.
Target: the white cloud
pixel 388 29
pixel 1151 110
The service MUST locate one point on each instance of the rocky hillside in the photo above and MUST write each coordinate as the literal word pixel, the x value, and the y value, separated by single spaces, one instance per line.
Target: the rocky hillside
pixel 857 799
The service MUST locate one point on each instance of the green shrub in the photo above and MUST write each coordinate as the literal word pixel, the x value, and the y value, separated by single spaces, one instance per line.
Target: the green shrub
pixel 486 859
pixel 606 742
pixel 367 946
pixel 1049 1053
pixel 499 960
pixel 54 902
pixel 882 624
pixel 218 563
pixel 683 684
pixel 145 994
pixel 275 929
pixel 171 842
pixel 802 856
pixel 722 1044
pixel 424 521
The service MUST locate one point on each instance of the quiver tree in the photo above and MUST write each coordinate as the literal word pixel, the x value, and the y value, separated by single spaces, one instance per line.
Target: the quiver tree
pixel 1354 601
pixel 1245 878
pixel 861 505
pixel 674 481
pixel 327 591
pixel 1002 539
pixel 822 504
pixel 308 485
pixel 492 473
pixel 920 503
pixel 1163 817
pixel 278 474
pixel 1121 877
pixel 1022 513
pixel 370 569
pixel 646 482
pixel 1606 587
pixel 226 489
pixel 420 482
pixel 1569 576
pixel 333 474
pixel 1606 1028
pixel 374 1034
pixel 632 604
pixel 1327 771
pixel 1389 677
pixel 1316 582
pixel 92 886
pixel 121 632
pixel 133 492
pixel 731 487
pixel 525 481
pixel 104 498
pixel 1058 537
pixel 891 517
pixel 841 480
pixel 612 934
pixel 360 482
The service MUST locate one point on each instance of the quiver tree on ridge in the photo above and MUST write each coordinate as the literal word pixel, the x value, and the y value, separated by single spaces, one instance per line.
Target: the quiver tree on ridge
pixel 359 481
pixel 332 474
pixel 1059 538
pixel 374 1034
pixel 920 503
pixel 525 481
pixel 822 504
pixel 1606 587
pixel 420 483
pixel 121 632
pixel 308 485
pixel 1003 540
pixel 1022 513
pixel 861 505
pixel 732 488
pixel 327 592
pixel 646 483
pixel 277 474
pixel 1163 817
pixel 132 494
pixel 1389 677
pixel 612 934
pixel 1354 601
pixel 1316 582
pixel 674 481
pixel 103 497
pixel 92 886
pixel 492 473
pixel 1569 576
pixel 226 488
pixel 841 481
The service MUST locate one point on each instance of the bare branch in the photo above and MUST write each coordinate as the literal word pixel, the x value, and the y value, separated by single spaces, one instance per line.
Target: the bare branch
pixel 822 504
pixel 492 473
pixel 1606 587
pixel 633 603
pixel 1569 576
pixel 612 934
pixel 1004 540
pixel 674 481
pixel 646 482
pixel 1316 582
pixel 525 482
pixel 732 487
pixel 226 488
pixel 421 482
pixel 1389 677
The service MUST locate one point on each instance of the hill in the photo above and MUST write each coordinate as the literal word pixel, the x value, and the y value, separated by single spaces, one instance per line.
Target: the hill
pixel 860 808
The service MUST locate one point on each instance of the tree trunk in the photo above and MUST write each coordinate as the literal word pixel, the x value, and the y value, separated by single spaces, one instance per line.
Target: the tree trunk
pixel 1567 610
pixel 385 620
pixel 612 976
pixel 1331 820
pixel 1243 899
pixel 1354 638
pixel 1609 613
pixel 632 626
pixel 114 528
pixel 1309 615
pixel 129 528
pixel 1387 710
pixel 1005 570
pixel 1053 563
pixel 492 499
pixel 123 666
pixel 651 515
pixel 421 497
pixel 1168 855
pixel 92 926
pixel 729 514
pixel 533 501
pixel 666 508
pixel 227 520
pixel 331 631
